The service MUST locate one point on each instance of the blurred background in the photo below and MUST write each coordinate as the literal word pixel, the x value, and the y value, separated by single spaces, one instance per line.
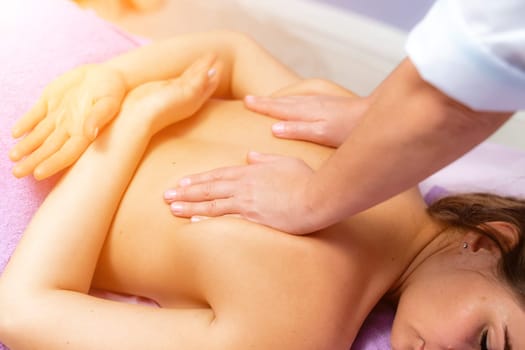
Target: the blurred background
pixel 355 43
pixel 402 14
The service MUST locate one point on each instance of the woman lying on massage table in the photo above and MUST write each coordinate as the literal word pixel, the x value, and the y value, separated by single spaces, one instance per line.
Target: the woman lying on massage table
pixel 454 270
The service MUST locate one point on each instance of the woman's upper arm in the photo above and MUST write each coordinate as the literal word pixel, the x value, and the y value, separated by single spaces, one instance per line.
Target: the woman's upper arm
pixel 254 70
pixel 247 68
pixel 70 320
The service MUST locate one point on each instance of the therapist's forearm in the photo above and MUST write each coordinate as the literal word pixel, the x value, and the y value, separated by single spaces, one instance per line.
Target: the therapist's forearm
pixel 410 131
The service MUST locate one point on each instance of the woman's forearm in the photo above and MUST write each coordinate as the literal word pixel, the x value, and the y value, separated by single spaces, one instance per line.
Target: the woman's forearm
pixel 410 131
pixel 240 57
pixel 60 248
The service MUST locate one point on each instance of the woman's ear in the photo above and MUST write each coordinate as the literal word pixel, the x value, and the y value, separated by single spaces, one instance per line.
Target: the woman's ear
pixel 506 234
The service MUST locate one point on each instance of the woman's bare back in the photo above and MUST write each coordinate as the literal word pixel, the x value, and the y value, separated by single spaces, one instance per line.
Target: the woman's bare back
pixel 299 284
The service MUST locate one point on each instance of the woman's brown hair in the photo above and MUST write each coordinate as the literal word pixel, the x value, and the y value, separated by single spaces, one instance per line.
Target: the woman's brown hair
pixel 473 211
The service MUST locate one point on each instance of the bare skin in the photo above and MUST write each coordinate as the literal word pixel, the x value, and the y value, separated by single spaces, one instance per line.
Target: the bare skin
pixel 218 280
pixel 192 268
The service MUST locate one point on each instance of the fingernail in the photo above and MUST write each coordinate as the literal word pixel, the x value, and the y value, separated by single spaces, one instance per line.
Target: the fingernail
pixel 176 208
pixel 250 99
pixel 17 172
pixel 170 194
pixel 185 182
pixel 212 72
pixel 253 154
pixel 14 156
pixel 15 133
pixel 38 174
pixel 278 128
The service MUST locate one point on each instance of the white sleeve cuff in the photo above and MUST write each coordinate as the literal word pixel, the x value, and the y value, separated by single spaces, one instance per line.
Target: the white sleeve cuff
pixel 447 56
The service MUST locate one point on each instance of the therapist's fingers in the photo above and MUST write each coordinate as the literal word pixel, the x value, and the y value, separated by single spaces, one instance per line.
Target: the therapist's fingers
pixel 33 140
pixel 305 108
pixel 63 158
pixel 202 191
pixel 220 174
pixel 306 131
pixel 216 207
pixel 30 119
pixel 51 145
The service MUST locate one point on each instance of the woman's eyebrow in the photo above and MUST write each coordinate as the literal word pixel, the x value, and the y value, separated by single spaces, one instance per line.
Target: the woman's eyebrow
pixel 507 345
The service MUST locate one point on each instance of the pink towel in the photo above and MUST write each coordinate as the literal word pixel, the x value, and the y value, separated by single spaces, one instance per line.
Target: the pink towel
pixel 39 40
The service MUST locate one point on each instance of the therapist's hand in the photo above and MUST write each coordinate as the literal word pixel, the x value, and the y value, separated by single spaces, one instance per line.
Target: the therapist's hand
pixel 322 119
pixel 314 110
pixel 272 190
pixel 66 118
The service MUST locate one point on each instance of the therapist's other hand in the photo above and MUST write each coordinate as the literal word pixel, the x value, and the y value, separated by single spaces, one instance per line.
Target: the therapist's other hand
pixel 272 190
pixel 66 118
pixel 313 110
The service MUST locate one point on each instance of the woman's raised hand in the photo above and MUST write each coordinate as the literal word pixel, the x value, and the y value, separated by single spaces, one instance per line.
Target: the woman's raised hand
pixel 66 118
pixel 159 104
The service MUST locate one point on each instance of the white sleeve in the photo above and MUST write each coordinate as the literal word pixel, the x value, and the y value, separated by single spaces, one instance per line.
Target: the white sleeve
pixel 473 51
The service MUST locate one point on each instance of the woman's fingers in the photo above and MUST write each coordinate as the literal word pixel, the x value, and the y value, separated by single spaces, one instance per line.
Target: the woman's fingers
pixel 30 119
pixel 200 80
pixel 103 111
pixel 63 158
pixel 51 145
pixel 33 140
